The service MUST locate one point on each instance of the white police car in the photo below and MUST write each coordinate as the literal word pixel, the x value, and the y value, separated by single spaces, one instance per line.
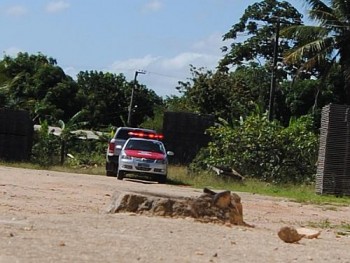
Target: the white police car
pixel 144 157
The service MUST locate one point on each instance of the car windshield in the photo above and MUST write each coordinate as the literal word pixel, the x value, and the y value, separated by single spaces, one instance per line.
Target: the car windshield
pixel 149 146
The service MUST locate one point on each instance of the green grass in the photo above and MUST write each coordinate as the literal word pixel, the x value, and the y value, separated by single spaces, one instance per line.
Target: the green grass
pixel 342 229
pixel 178 175
pixel 298 193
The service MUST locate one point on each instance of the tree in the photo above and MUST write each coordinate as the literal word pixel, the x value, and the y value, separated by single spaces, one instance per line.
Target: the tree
pixel 226 95
pixel 146 102
pixel 177 103
pixel 105 99
pixel 325 44
pixel 37 84
pixel 259 23
pixel 256 40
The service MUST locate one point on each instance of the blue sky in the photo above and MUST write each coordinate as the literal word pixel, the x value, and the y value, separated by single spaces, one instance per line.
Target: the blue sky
pixel 162 37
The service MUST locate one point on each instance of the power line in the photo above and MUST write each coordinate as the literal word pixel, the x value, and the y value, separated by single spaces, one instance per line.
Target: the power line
pixel 122 70
pixel 164 75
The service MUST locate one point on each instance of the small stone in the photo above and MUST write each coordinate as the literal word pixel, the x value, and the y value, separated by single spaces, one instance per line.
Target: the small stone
pixel 289 234
pixel 309 233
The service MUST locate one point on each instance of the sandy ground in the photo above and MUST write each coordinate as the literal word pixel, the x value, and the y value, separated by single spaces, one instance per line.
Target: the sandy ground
pixel 49 216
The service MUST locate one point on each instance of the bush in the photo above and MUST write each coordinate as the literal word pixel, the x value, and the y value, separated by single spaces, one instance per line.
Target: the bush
pixel 46 146
pixel 264 150
pixel 47 149
pixel 87 152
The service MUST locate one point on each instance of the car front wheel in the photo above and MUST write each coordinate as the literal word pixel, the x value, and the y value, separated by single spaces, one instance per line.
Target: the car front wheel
pixel 120 175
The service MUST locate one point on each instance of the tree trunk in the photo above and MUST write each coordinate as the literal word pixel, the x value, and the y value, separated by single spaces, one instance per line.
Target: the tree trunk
pixel 345 66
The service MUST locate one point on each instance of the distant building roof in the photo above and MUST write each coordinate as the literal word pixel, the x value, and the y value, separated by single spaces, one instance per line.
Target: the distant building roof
pixel 83 134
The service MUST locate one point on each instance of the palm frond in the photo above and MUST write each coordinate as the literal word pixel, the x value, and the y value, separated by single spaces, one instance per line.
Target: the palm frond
pixel 303 33
pixel 318 5
pixel 333 16
pixel 313 51
pixel 322 15
pixel 62 124
pixel 75 117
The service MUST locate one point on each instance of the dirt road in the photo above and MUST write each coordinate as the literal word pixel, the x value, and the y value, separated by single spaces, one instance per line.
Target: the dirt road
pixel 49 216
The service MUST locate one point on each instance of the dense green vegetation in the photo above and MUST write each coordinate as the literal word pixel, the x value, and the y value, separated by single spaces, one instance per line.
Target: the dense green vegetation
pixel 310 67
pixel 37 84
pixel 264 150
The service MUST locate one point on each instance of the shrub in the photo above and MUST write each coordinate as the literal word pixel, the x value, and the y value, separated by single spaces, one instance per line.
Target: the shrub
pixel 45 151
pixel 87 152
pixel 264 150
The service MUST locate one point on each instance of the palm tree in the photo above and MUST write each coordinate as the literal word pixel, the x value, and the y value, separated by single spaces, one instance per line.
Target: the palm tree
pixel 325 44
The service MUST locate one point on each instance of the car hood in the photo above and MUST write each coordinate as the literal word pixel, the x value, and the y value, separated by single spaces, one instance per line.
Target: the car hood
pixel 145 154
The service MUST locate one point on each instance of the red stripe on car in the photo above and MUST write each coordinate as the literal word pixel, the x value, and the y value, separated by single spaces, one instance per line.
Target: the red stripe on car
pixel 145 154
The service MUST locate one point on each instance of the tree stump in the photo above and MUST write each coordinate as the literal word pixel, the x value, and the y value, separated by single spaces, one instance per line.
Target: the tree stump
pixel 210 207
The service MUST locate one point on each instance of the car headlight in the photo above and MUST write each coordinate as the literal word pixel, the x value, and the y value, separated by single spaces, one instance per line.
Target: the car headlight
pixel 163 161
pixel 126 157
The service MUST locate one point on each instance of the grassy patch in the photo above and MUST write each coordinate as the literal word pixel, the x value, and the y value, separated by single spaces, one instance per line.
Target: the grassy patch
pixel 342 230
pixel 298 193
pixel 323 224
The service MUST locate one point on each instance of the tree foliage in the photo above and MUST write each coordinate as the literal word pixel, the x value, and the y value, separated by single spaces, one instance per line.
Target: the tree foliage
pixel 37 84
pixel 146 103
pixel 46 147
pixel 255 33
pixel 227 95
pixel 326 43
pixel 103 97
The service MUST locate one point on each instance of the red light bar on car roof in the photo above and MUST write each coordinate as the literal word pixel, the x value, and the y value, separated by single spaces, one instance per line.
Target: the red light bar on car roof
pixel 147 135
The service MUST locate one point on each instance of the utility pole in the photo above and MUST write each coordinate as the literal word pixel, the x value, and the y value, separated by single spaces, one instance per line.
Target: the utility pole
pixel 274 68
pixel 132 94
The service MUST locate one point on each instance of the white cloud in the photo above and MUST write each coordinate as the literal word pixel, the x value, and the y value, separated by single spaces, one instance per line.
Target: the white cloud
pixel 16 10
pixel 183 60
pixel 211 44
pixel 57 6
pixel 134 63
pixel 164 73
pixel 153 6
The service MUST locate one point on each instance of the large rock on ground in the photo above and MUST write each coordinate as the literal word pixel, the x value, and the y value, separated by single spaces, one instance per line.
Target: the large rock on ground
pixel 224 207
